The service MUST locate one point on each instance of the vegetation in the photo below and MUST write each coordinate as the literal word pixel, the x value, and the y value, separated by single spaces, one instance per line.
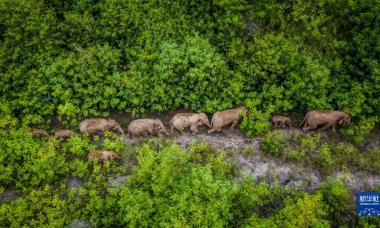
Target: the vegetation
pixel 82 58
pixel 86 58
pixel 165 186
pixel 324 155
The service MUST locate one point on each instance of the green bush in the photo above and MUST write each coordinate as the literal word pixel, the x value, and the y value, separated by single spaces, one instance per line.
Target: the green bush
pixel 325 159
pixel 171 186
pixel 306 211
pixel 339 202
pixel 168 189
pixel 369 161
pixel 29 162
pixel 81 58
pixel 87 58
pixel 273 143
pixel 38 208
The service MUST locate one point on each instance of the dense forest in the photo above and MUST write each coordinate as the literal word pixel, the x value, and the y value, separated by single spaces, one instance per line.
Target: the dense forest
pixel 69 60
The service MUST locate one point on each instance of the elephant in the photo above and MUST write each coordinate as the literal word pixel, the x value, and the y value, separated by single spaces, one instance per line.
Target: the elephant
pixel 102 155
pixel 279 121
pixel 64 134
pixel 145 127
pixel 226 117
pixel 98 125
pixel 36 132
pixel 192 120
pixel 324 119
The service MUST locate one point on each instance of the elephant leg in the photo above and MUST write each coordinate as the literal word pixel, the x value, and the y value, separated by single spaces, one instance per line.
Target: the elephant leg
pixel 307 127
pixel 145 134
pixel 233 125
pixel 194 129
pixel 325 127
pixel 219 129
pixel 181 129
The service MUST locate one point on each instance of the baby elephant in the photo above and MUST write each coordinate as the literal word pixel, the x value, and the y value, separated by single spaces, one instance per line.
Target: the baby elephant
pixel 63 134
pixel 98 125
pixel 102 155
pixel 324 119
pixel 36 132
pixel 183 120
pixel 145 127
pixel 279 121
pixel 226 117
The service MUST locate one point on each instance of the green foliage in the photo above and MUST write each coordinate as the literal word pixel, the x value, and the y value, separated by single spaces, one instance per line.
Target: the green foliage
pixel 306 211
pixel 78 145
pixel 84 58
pixel 26 161
pixel 38 208
pixel 369 160
pixel 172 188
pixel 325 158
pixel 81 58
pixel 338 201
pixel 273 143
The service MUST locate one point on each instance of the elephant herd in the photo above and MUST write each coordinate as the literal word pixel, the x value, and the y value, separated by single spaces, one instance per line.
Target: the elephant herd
pixel 314 120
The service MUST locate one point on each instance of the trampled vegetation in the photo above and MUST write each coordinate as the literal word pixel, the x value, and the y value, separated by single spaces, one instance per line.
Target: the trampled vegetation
pixel 86 58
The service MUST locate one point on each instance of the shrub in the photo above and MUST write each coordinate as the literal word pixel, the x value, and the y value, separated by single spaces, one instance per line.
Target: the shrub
pixel 339 202
pixel 167 188
pixel 38 208
pixel 325 158
pixel 29 162
pixel 273 143
pixel 78 145
pixel 308 210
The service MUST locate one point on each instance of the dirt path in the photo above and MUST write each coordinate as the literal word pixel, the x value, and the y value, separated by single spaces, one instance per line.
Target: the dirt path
pixel 269 169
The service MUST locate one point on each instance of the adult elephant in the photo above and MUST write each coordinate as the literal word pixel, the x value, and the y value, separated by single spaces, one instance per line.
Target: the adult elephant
pixel 99 125
pixel 183 120
pixel 324 119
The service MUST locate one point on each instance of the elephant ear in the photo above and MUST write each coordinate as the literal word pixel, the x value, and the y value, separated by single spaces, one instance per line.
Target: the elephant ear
pixel 199 122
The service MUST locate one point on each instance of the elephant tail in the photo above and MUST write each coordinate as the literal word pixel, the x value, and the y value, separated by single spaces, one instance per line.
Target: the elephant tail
pixel 120 130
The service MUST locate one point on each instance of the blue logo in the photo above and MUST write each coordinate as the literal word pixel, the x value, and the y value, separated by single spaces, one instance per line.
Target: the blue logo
pixel 368 203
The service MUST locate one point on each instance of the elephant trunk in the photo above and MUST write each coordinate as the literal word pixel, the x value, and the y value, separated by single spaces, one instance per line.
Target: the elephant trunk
pixel 120 130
